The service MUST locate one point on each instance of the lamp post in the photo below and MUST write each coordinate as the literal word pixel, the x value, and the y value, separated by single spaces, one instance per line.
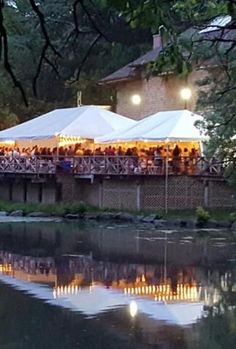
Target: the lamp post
pixel 185 94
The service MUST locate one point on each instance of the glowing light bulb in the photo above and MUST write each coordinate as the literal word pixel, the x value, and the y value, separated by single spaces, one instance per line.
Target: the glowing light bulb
pixel 136 99
pixel 186 93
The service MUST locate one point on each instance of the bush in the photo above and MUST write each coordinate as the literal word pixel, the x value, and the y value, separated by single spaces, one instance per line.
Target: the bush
pixel 81 209
pixel 159 215
pixel 202 215
pixel 76 208
pixel 57 209
pixel 232 217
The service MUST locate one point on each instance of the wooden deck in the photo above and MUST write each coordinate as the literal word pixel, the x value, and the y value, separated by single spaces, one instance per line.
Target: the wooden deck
pixel 110 165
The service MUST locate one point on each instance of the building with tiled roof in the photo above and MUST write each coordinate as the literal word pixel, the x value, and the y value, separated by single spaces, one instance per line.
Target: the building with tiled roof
pixel 158 92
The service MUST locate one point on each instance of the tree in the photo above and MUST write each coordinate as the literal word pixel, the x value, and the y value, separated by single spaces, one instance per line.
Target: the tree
pixel 63 47
pixel 196 32
pixel 56 48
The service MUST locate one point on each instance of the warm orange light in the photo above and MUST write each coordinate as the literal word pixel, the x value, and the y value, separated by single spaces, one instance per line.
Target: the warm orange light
pixel 164 292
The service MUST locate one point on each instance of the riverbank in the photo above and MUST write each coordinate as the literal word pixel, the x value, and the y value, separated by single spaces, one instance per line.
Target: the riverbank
pixel 221 218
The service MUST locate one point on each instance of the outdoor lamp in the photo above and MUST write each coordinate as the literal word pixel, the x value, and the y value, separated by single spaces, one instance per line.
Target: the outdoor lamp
pixel 136 99
pixel 185 94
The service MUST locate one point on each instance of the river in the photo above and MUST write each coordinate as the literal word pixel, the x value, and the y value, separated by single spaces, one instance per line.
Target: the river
pixel 93 285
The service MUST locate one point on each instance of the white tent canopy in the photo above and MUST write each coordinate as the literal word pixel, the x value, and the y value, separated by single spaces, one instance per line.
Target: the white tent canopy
pixel 86 122
pixel 177 125
pixel 92 302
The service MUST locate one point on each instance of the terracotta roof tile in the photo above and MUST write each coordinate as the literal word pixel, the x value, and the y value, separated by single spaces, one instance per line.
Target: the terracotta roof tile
pixel 129 71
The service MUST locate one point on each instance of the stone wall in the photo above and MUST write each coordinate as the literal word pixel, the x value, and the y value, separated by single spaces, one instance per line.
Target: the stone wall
pixel 5 190
pixel 90 192
pixel 24 190
pixel 138 193
pixel 158 93
pixel 124 193
pixel 33 192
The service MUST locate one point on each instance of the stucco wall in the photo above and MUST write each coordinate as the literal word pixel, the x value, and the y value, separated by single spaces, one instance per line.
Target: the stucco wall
pixel 157 94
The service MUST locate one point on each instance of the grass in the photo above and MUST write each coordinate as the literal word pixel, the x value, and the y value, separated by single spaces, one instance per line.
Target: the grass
pixel 219 214
pixel 61 209
pixel 57 209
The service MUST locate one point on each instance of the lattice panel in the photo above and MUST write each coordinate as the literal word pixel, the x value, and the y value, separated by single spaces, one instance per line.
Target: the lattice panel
pixel 183 192
pixel 111 199
pixel 153 201
pixel 120 197
pixel 221 195
pixel 128 200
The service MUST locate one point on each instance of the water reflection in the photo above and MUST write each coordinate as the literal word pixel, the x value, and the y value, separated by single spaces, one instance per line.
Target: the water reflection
pixel 185 282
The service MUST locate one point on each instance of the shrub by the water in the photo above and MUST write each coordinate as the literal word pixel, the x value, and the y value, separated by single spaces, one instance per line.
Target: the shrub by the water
pixel 59 209
pixel 202 215
pixel 232 217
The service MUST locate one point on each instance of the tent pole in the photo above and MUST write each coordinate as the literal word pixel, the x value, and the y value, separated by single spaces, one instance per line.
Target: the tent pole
pixel 166 179
pixel 165 259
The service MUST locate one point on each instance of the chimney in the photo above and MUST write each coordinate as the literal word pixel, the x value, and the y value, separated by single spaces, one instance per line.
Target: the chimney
pixel 157 41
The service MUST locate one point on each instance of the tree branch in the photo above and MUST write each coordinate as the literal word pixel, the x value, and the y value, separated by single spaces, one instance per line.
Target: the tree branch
pixel 42 56
pixel 4 50
pixel 87 55
pixel 43 27
pixel 75 16
pixel 94 25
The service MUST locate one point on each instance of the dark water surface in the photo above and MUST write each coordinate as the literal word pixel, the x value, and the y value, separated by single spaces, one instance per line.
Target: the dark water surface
pixel 102 286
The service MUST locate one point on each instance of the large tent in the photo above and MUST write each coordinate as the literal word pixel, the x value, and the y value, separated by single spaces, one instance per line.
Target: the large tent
pixel 99 299
pixel 67 125
pixel 172 126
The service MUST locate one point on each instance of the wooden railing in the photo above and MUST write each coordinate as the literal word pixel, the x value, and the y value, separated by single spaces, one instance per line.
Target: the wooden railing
pixel 110 165
pixel 24 165
pixel 130 165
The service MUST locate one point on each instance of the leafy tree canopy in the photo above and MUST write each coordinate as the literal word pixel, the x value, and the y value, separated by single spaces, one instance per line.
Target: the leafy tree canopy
pixel 52 49
pixel 180 23
pixel 55 48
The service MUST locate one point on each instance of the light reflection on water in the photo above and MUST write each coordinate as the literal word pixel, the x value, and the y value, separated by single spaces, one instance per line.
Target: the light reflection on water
pixel 166 283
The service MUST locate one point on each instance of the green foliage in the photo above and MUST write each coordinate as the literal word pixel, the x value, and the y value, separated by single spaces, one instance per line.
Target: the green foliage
pixel 126 27
pixel 218 104
pixel 7 119
pixel 76 208
pixel 179 22
pixel 57 87
pixel 232 217
pixel 60 209
pixel 159 215
pixel 202 215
